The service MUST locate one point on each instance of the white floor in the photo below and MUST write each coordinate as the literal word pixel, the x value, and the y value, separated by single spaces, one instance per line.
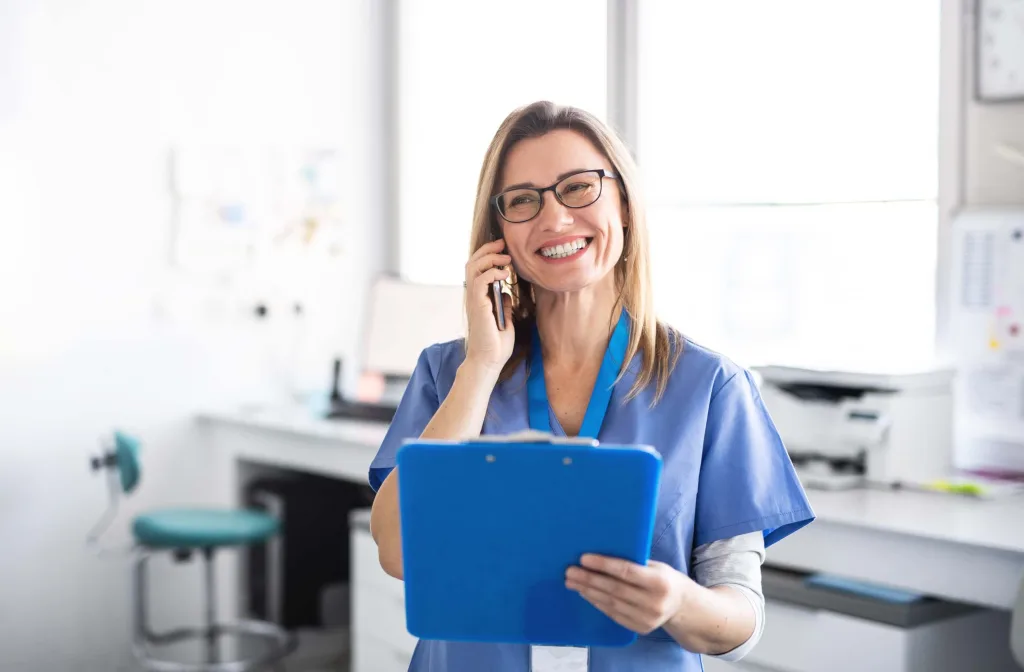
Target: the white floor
pixel 318 651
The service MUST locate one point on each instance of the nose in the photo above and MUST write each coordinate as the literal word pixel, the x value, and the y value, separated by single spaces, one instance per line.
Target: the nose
pixel 553 215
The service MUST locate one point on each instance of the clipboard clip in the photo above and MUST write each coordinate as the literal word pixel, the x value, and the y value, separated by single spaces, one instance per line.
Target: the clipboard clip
pixel 534 436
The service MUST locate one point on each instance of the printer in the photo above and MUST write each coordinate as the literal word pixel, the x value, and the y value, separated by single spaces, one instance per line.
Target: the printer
pixel 847 429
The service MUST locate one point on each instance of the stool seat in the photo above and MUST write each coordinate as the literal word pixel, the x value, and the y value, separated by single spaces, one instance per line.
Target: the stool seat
pixel 203 528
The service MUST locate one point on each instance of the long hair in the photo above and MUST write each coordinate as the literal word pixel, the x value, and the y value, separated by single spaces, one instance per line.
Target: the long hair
pixel 659 345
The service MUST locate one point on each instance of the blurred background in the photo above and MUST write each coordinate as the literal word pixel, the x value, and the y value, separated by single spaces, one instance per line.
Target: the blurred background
pixel 227 228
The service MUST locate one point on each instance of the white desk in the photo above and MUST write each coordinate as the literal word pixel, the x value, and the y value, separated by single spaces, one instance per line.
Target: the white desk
pixel 291 439
pixel 947 546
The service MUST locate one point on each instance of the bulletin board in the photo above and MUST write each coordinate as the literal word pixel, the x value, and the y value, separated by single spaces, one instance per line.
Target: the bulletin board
pixel 987 332
pixel 235 207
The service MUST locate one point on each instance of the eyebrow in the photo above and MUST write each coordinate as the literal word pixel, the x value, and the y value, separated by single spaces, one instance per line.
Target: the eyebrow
pixel 531 185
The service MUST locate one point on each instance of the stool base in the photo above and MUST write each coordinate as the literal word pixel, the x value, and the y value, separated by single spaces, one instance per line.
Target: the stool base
pixel 275 641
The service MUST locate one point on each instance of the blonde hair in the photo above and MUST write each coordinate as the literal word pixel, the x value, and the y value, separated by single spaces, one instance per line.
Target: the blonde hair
pixel 659 344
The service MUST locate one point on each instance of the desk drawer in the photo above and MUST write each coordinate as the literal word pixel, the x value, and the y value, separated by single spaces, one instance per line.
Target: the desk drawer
pixel 378 600
pixel 798 639
pixel 716 665
pixel 381 616
pixel 801 639
pixel 366 567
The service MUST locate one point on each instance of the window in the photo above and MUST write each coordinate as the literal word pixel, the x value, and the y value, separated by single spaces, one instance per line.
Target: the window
pixel 457 82
pixel 790 157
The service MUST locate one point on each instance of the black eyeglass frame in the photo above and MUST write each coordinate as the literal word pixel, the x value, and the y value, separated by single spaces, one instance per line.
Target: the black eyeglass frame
pixel 601 172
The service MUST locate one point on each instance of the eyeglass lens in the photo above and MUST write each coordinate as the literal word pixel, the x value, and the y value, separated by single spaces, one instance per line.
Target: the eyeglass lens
pixel 575 191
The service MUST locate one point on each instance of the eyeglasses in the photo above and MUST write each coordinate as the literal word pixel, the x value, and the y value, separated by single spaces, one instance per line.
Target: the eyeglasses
pixel 577 190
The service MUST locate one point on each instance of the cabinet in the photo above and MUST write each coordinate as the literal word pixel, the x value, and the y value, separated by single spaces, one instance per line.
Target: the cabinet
pixel 380 642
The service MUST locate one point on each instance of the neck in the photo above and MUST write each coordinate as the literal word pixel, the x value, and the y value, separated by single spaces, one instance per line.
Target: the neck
pixel 574 327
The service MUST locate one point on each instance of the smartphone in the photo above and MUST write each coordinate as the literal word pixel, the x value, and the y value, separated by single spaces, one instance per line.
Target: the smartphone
pixel 496 302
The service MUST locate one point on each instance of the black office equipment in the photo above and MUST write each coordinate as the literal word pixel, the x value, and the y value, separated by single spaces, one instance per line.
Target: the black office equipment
pixel 347 409
pixel 287 576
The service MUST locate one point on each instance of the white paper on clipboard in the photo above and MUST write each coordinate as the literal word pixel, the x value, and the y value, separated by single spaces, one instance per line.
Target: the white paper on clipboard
pixel 536 436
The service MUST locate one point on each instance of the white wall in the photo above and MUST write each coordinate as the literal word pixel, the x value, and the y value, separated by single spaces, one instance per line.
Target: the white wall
pixel 990 179
pixel 971 173
pixel 96 331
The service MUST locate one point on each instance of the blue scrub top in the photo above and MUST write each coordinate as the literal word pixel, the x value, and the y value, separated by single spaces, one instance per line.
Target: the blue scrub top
pixel 725 473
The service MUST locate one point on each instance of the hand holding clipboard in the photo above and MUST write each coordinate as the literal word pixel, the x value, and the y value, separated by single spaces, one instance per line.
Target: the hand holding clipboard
pixel 486 559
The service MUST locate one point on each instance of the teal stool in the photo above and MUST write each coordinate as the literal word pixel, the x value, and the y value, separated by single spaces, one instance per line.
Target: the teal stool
pixel 182 532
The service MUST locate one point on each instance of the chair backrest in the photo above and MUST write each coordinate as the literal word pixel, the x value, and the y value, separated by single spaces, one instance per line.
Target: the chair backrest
pixel 123 457
pixel 126 457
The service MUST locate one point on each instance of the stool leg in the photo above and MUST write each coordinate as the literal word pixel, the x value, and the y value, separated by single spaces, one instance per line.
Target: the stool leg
pixel 140 629
pixel 139 599
pixel 211 613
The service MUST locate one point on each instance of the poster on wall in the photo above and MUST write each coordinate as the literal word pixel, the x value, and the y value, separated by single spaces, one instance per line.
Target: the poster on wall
pixel 987 330
pixel 237 208
pixel 258 240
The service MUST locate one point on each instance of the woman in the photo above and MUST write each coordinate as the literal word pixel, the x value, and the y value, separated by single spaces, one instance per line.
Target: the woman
pixel 558 202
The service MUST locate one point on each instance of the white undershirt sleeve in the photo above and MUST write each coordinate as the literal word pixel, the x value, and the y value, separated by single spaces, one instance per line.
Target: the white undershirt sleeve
pixel 735 562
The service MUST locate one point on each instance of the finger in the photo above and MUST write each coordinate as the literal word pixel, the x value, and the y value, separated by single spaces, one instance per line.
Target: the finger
pixel 489 248
pixel 484 280
pixel 627 571
pixel 627 592
pixel 487 261
pixel 623 613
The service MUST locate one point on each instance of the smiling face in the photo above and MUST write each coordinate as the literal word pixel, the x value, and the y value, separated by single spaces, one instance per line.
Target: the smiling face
pixel 562 249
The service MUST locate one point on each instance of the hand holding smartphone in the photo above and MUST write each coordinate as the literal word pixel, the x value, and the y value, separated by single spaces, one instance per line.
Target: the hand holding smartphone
pixel 496 304
pixel 488 344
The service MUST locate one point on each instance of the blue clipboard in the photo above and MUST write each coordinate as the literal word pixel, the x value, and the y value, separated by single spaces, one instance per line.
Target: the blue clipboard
pixel 489 528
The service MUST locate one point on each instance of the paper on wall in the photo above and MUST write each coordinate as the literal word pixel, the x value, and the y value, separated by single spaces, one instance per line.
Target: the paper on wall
pixel 987 336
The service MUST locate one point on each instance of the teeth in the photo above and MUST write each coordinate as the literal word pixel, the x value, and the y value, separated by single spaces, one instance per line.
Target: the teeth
pixel 558 251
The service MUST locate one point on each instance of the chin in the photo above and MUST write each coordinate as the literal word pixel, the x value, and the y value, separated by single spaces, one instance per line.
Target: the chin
pixel 573 282
pixel 563 288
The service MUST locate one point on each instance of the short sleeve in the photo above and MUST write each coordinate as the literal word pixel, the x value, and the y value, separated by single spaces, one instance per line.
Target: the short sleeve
pixel 747 482
pixel 418 404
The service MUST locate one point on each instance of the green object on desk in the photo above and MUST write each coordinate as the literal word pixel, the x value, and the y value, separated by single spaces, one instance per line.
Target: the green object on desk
pixel 969 489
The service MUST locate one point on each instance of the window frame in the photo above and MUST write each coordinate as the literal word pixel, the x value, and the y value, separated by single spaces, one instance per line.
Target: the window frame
pixel 622 114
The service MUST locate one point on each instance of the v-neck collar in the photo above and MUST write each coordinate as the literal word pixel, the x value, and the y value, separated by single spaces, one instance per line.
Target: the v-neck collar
pixel 542 417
